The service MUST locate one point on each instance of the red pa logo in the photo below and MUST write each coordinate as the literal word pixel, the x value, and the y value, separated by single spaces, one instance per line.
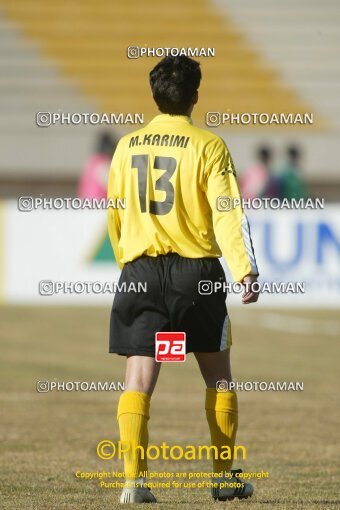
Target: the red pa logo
pixel 170 346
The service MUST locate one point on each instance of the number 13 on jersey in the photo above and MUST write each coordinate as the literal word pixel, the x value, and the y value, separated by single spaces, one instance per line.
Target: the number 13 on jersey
pixel 141 163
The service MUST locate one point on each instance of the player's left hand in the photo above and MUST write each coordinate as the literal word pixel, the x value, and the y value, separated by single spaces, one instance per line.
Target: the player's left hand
pixel 250 295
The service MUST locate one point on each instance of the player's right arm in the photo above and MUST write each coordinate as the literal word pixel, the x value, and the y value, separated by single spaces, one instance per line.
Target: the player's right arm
pixel 230 224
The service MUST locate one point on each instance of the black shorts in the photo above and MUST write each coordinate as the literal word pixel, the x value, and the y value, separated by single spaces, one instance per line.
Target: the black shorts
pixel 172 302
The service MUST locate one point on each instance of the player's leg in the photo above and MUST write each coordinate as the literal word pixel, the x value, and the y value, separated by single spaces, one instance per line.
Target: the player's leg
pixel 214 367
pixel 133 412
pixel 141 374
pixel 221 406
pixel 202 314
pixel 135 319
pixel 222 415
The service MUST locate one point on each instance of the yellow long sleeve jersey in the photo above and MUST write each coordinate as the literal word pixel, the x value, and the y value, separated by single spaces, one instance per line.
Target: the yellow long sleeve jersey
pixel 172 176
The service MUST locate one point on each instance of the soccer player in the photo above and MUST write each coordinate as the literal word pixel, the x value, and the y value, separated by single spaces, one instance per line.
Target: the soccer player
pixel 177 180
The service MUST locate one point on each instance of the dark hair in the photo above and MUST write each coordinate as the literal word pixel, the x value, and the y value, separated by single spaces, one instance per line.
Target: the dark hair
pixel 174 82
pixel 264 154
pixel 106 144
pixel 293 152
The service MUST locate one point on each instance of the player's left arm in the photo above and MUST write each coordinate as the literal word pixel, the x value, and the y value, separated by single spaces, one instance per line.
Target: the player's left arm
pixel 114 223
pixel 230 223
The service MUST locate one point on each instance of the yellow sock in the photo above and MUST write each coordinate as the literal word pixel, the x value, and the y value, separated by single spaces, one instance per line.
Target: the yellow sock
pixel 133 415
pixel 222 415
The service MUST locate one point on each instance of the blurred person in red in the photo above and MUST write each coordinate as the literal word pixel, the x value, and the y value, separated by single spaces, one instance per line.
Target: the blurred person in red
pixel 255 181
pixel 94 177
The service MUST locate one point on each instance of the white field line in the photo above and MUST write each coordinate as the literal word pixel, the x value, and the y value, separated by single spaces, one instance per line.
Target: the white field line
pixel 290 324
pixel 286 323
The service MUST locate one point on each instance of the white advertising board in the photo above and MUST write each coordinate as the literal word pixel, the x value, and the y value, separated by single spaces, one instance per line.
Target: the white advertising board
pixel 72 246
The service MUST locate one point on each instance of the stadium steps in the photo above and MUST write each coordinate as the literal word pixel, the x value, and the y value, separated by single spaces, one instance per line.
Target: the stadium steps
pixel 29 83
pixel 306 55
pixel 89 42
pixel 301 42
pixel 75 60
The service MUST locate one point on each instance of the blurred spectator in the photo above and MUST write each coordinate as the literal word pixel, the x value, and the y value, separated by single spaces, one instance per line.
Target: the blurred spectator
pixel 93 180
pixel 291 181
pixel 255 181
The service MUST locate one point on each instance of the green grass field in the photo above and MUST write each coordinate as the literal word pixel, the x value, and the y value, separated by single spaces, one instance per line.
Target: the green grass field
pixel 47 437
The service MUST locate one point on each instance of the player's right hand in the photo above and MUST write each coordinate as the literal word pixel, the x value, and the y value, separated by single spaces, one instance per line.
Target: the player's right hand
pixel 250 295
